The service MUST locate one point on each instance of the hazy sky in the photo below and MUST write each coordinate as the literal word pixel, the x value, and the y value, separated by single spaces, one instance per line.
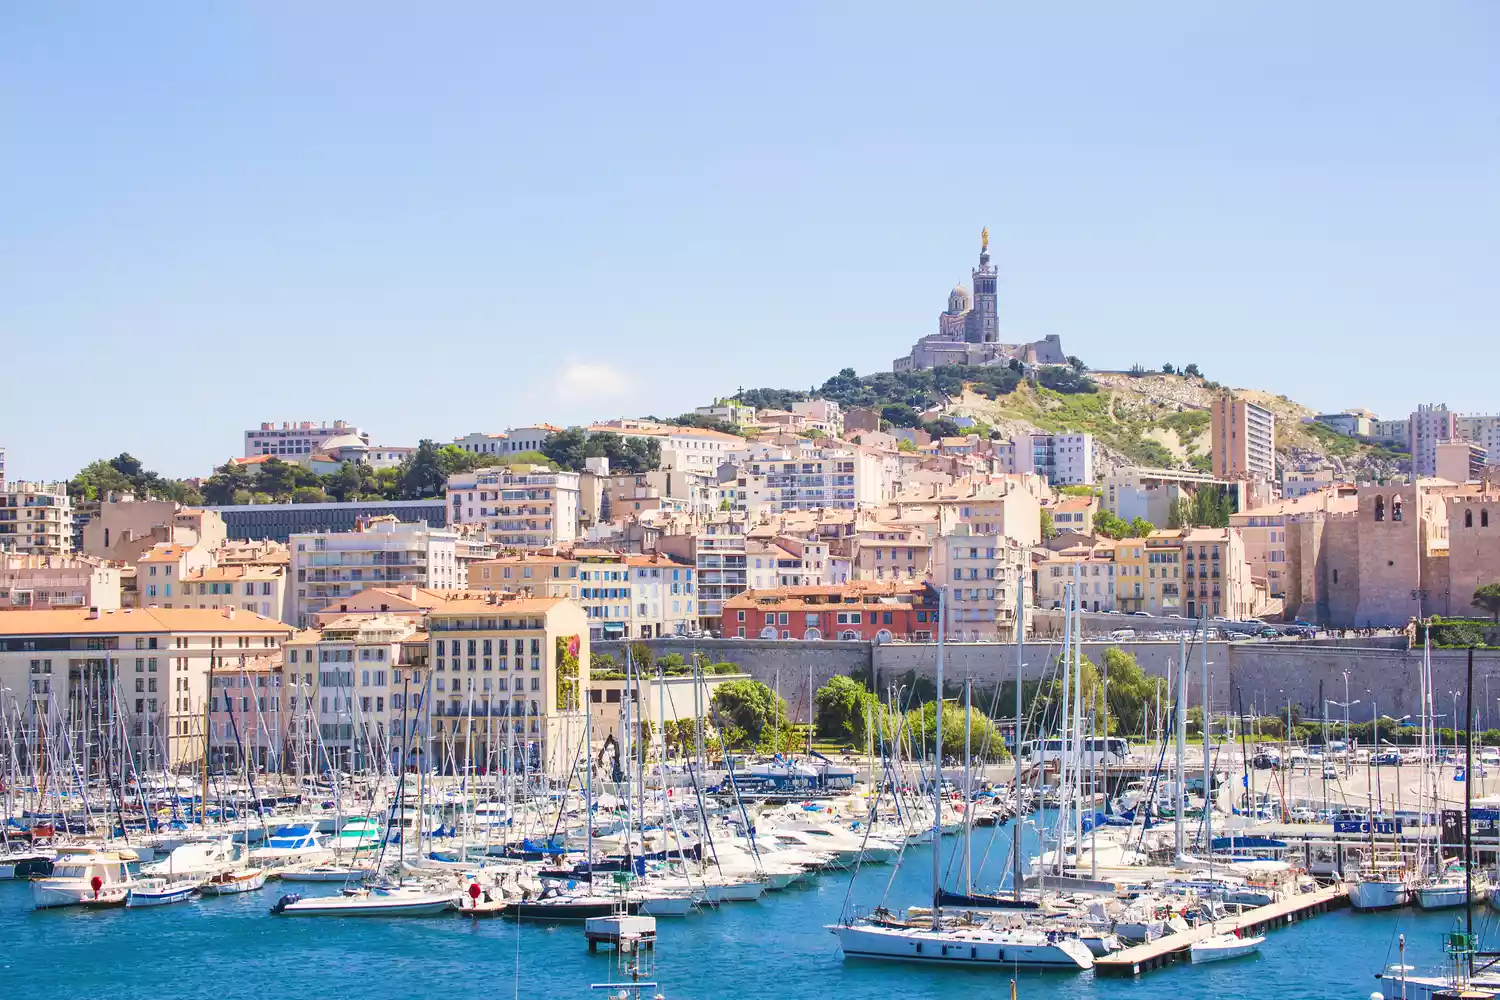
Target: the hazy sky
pixel 431 219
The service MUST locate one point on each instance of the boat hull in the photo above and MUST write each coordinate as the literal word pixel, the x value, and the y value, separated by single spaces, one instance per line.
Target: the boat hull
pixel 1441 897
pixel 894 945
pixel 138 898
pixel 339 906
pixel 1216 951
pixel 1381 895
pixel 234 884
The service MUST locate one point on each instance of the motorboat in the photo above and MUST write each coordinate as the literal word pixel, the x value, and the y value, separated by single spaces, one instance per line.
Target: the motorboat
pixel 293 844
pixel 96 879
pixel 1223 946
pixel 234 881
pixel 555 905
pixel 963 945
pixel 26 864
pixel 376 901
pixel 160 891
pixel 325 873
pixel 196 859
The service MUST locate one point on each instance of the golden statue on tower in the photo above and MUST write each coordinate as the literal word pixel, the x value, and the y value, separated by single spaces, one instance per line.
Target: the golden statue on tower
pixel 984 238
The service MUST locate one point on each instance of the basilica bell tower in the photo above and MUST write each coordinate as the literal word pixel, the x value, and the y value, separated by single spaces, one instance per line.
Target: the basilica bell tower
pixel 983 325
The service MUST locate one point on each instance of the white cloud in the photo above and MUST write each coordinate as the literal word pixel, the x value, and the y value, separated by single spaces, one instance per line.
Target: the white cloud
pixel 581 382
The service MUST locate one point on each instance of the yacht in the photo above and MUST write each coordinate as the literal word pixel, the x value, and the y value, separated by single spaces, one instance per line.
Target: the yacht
pixel 295 844
pixel 95 879
pixel 1448 889
pixel 198 859
pixel 1223 946
pixel 377 901
pixel 963 945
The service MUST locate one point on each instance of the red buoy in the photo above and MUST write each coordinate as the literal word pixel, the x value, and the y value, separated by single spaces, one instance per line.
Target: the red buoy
pixel 474 892
pixel 97 883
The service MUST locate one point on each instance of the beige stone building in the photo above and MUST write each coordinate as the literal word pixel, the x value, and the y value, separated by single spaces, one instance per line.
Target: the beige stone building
pixel 36 519
pixel 153 663
pixel 503 676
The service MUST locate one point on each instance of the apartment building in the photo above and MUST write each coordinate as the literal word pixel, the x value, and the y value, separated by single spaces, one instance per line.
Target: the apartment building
pixel 261 589
pixel 1350 423
pixel 248 716
pixel 1460 461
pixel 734 413
pixel 1148 574
pixel 1062 459
pixel 616 496
pixel 1242 439
pixel 508 673
pixel 519 506
pixel 1217 580
pixel 528 574
pixel 1093 571
pixel 717 552
pixel 329 567
pixel 2 468
pixel 36 519
pixel 1074 514
pixel 344 683
pixel 1309 479
pixel 162 571
pixel 1431 425
pixel 982 573
pixel 783 481
pixel 884 550
pixel 859 610
pixel 58 582
pixel 295 439
pixel 636 596
pixel 777 560
pixel 150 666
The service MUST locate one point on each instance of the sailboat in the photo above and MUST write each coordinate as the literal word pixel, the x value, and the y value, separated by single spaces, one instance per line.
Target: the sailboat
pixel 957 942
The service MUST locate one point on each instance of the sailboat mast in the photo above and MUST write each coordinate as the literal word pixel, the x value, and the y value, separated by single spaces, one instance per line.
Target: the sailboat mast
pixel 937 768
pixel 1181 727
pixel 1015 788
pixel 1208 783
pixel 968 784
pixel 1468 808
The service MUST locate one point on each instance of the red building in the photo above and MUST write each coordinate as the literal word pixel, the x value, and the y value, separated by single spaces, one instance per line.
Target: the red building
pixel 872 610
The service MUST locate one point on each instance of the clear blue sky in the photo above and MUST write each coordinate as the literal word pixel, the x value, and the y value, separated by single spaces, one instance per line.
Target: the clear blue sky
pixel 437 218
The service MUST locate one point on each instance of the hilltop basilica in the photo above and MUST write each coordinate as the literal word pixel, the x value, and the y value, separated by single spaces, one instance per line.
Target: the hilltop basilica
pixel 968 331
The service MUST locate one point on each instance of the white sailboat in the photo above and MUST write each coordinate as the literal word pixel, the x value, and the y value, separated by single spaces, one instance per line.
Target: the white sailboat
pixel 1223 946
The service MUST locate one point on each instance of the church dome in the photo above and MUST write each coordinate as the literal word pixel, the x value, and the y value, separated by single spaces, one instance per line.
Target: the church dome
pixel 959 300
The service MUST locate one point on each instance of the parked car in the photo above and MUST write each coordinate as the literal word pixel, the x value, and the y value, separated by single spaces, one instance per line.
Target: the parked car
pixel 1386 758
pixel 1302 814
pixel 1265 761
pixel 1269 633
pixel 1140 614
pixel 1330 771
pixel 1303 623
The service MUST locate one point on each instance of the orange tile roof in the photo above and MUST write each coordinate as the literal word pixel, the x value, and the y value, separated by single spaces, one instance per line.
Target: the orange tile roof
pixel 76 621
pixel 524 605
pixel 164 552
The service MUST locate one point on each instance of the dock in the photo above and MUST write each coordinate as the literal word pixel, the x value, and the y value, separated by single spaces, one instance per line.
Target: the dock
pixel 1170 948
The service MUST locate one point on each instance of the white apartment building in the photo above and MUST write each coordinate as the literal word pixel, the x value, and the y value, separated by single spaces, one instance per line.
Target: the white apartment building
pixel 1430 425
pixel 36 519
pixel 717 552
pixel 982 574
pixel 297 439
pixel 687 449
pixel 510 442
pixel 784 561
pixel 1301 482
pixel 837 478
pixel 520 507
pixel 820 415
pixel 327 566
pixel 1096 582
pixel 2 468
pixel 1061 459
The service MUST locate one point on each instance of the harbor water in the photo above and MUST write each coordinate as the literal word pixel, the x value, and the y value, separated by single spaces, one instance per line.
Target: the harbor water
pixel 230 948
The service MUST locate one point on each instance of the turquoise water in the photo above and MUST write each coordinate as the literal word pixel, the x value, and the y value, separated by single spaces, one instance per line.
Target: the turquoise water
pixel 230 948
